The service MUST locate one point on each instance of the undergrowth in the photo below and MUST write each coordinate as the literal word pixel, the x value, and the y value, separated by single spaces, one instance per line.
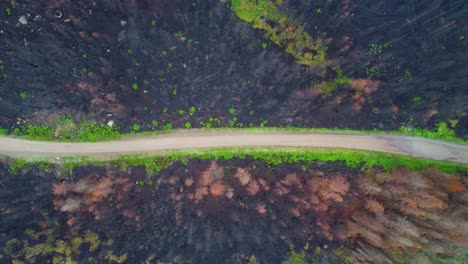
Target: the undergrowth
pixel 89 131
pixel 281 29
pixel 362 160
pixel 65 129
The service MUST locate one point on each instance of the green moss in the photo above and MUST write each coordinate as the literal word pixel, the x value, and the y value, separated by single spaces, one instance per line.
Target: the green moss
pixel 136 127
pixel 188 125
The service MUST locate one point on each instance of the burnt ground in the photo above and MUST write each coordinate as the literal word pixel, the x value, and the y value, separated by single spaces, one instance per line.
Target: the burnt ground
pixel 82 58
pixel 228 211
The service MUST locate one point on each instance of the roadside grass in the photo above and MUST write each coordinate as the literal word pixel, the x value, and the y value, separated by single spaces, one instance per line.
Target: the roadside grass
pixel 274 156
pixel 68 131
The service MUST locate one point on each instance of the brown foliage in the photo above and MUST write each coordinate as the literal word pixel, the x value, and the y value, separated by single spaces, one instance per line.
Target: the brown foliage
pixel 253 187
pixel 102 189
pixel 365 85
pixel 217 188
pixel 87 195
pixel 333 188
pixel 83 186
pixel 230 193
pixel 214 172
pixel 339 185
pixel 70 205
pixel 448 182
pixel 261 208
pixel 243 175
pixel 200 192
pixel 264 184
pixel 60 188
pixel 205 178
pixel 188 182
pixel 173 180
pixel 291 180
pixel 409 207
pixel 374 206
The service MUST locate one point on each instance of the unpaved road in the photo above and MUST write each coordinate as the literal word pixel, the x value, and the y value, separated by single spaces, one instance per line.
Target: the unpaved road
pixel 195 139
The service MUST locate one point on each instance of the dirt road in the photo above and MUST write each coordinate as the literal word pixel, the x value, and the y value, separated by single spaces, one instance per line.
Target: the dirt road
pixel 194 139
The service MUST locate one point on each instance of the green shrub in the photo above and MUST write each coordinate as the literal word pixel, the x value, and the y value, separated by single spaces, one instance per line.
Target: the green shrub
pixel 34 132
pixel 442 132
pixel 92 132
pixel 24 95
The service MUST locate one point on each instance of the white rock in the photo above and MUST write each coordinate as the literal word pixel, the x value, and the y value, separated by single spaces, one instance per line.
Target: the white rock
pixel 110 123
pixel 23 20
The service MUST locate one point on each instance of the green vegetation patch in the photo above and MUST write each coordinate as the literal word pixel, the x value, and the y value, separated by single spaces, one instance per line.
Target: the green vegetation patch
pixel 340 79
pixel 274 156
pixel 281 29
pixel 442 132
pixel 65 129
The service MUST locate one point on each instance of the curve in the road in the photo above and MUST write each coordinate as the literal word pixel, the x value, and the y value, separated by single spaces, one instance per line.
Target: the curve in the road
pixel 194 139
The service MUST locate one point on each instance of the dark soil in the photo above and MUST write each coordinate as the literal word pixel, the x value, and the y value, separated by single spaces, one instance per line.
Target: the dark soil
pixel 82 58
